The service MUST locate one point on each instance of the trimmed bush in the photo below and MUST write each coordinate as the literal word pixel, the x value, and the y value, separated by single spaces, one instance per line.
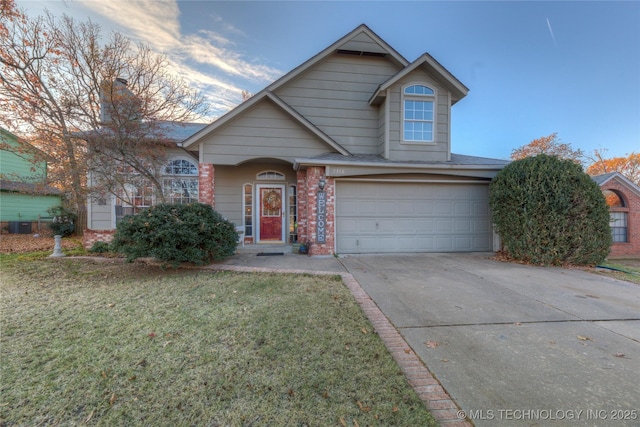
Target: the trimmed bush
pixel 176 233
pixel 549 212
pixel 63 223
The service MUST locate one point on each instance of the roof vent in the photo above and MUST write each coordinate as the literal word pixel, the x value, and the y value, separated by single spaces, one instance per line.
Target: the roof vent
pixel 360 53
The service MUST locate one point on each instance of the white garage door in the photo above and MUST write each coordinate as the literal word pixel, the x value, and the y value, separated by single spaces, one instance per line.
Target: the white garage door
pixel 412 217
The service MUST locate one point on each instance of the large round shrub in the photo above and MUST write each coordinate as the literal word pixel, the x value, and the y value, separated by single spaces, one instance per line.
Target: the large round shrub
pixel 176 233
pixel 548 211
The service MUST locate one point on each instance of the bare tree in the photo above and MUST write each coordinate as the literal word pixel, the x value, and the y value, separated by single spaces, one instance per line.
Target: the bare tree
pixel 550 145
pixel 64 87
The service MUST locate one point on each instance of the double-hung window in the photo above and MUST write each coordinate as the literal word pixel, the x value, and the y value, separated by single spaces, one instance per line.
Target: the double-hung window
pixel 418 110
pixel 180 182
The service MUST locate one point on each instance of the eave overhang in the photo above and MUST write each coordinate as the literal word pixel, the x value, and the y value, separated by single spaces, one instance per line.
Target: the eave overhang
pixel 433 67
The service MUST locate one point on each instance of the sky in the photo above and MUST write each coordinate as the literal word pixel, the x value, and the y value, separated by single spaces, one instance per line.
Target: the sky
pixel 532 68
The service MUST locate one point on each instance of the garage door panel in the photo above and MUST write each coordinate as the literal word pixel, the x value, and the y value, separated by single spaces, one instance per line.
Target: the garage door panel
pixel 386 208
pixel 443 208
pixel 462 208
pixel 409 217
pixel 462 225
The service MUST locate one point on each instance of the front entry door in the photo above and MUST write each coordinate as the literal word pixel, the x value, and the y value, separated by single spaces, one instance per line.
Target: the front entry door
pixel 271 212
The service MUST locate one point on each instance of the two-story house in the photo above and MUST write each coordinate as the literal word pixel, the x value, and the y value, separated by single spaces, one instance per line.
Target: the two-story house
pixel 350 151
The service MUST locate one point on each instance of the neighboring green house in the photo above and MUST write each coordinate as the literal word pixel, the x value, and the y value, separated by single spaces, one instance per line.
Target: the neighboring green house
pixel 24 193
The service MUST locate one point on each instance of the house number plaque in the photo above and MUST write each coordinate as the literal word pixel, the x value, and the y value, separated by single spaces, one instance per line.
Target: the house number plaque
pixel 321 219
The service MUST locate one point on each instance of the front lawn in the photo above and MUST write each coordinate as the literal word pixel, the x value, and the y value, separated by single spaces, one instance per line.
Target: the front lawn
pixel 94 342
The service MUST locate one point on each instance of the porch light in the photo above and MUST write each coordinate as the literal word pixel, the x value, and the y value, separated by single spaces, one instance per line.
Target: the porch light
pixel 321 184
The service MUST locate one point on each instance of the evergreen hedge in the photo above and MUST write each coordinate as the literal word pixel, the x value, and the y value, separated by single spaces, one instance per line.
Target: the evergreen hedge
pixel 549 212
pixel 176 233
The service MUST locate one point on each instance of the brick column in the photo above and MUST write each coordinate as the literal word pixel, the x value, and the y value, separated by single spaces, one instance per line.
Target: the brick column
pixel 206 184
pixel 314 174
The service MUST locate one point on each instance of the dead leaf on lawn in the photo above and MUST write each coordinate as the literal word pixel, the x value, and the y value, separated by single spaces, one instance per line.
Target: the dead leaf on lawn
pixel 113 399
pixel 432 344
pixel 362 407
pixel 355 423
pixel 343 422
pixel 89 417
pixel 364 330
pixel 394 409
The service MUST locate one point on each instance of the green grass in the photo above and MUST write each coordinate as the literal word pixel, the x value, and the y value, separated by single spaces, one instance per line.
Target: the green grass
pixel 630 269
pixel 88 342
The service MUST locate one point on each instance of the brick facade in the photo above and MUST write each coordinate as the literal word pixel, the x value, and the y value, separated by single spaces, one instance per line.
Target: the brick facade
pixel 313 177
pixel 206 184
pixel 89 237
pixel 632 208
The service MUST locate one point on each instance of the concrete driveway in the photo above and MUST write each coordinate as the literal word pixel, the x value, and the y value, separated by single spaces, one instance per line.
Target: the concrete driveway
pixel 513 344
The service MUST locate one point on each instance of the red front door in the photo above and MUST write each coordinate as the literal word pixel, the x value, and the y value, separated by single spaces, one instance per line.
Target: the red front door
pixel 271 213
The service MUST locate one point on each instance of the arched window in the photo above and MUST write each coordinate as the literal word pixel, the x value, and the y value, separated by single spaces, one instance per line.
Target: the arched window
pixel 180 181
pixel 270 176
pixel 613 198
pixel 418 113
pixel 618 215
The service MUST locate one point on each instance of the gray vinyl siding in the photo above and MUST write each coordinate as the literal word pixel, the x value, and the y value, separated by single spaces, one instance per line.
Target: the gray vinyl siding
pixel 381 129
pixel 230 179
pixel 263 131
pixel 101 216
pixel 413 151
pixel 363 43
pixel 334 95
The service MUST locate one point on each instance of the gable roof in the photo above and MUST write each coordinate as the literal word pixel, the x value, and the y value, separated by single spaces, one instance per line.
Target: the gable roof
pixel 356 41
pixel 426 61
pixel 352 42
pixel 601 180
pixel 5 136
pixel 261 96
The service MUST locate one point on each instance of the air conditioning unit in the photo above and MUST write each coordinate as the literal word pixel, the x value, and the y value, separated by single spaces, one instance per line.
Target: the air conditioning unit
pixel 19 227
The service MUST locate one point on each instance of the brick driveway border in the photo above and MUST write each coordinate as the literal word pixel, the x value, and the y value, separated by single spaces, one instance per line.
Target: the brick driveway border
pixel 435 397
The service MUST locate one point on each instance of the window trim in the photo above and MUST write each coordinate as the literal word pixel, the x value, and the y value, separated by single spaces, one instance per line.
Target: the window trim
pixel 244 209
pixel 625 217
pixel 270 175
pixel 418 97
pixel 191 177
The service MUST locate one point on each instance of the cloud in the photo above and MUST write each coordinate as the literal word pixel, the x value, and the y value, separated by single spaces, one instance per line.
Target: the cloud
pixel 157 24
pixel 553 37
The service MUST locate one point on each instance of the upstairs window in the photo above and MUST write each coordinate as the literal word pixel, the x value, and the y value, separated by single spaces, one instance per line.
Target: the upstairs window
pixel 418 113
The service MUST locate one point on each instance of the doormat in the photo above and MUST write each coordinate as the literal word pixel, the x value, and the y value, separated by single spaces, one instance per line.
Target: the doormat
pixel 270 253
